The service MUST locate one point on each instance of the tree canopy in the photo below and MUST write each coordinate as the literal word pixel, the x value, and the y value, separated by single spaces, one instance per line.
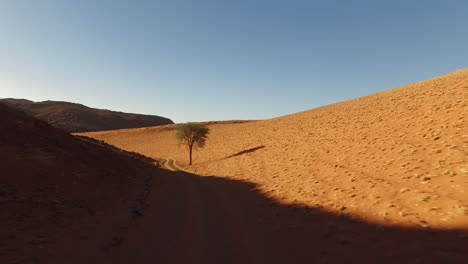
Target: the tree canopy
pixel 192 135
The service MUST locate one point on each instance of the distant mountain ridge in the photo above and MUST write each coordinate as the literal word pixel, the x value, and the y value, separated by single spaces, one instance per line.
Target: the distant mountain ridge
pixel 73 117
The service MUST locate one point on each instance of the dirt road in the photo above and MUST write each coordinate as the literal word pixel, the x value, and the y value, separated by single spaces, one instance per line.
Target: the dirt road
pixel 202 219
pixel 170 164
pixel 193 219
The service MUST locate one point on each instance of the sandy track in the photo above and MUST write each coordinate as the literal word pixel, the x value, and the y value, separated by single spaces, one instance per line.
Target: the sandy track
pixel 191 220
pixel 170 164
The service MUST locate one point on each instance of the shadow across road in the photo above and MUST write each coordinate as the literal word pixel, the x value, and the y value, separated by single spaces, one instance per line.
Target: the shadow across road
pixel 200 219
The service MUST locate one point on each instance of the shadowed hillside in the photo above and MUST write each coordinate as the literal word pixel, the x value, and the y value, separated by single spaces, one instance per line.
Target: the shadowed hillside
pixel 54 187
pixel 73 117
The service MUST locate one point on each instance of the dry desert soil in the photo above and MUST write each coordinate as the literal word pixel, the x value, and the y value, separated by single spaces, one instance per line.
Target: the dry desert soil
pixel 377 179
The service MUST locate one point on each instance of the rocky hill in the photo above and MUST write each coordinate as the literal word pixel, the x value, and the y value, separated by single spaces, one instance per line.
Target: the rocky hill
pixel 73 117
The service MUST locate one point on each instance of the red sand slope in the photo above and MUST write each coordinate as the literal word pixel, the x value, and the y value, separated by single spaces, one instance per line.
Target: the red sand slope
pixel 398 157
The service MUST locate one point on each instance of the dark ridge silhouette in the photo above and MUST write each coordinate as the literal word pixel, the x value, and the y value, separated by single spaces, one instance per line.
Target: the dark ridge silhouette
pixel 73 118
pixel 245 152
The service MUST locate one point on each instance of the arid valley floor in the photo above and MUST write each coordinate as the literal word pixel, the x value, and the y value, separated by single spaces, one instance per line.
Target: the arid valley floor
pixel 377 179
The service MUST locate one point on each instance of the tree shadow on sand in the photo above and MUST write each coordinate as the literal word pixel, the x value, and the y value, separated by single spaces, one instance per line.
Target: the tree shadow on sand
pixel 244 152
pixel 217 220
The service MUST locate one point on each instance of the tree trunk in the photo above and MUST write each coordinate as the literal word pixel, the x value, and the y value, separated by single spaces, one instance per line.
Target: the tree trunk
pixel 190 154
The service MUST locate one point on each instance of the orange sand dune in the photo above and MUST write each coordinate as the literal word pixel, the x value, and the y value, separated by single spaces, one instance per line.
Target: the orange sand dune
pixel 398 157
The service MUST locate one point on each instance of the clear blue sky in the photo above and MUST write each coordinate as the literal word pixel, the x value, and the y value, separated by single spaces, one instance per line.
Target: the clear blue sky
pixel 200 60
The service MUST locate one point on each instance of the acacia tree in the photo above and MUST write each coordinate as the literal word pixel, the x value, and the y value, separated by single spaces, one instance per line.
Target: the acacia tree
pixel 192 135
